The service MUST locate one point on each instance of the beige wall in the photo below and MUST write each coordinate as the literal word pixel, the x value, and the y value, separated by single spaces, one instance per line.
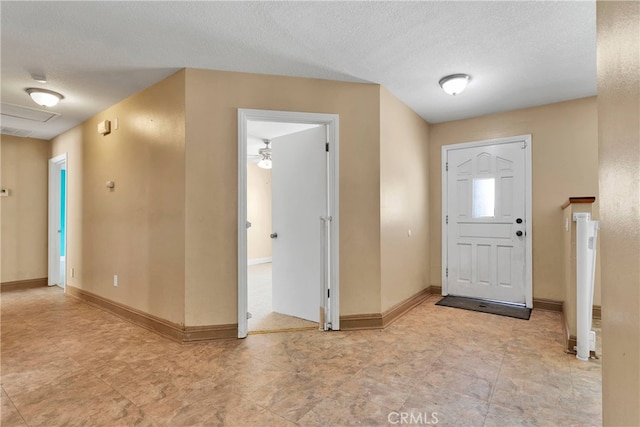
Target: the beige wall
pixel 24 164
pixel 258 211
pixel 404 201
pixel 137 230
pixel 619 150
pixel 564 164
pixel 169 228
pixel 212 100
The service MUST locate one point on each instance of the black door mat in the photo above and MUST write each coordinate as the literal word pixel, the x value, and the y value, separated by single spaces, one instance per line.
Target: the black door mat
pixel 486 307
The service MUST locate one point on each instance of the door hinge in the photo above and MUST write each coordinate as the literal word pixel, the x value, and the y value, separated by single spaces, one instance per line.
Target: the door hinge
pixel 447 219
pixel 446 274
pixel 249 315
pixel 327 147
pixel 328 293
pixel 524 145
pixel 446 166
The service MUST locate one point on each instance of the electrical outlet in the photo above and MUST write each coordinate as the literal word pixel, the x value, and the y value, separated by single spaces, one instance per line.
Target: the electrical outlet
pixel 115 280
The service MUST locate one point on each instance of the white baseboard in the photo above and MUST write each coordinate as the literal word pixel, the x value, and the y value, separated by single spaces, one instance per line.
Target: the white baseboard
pixel 254 261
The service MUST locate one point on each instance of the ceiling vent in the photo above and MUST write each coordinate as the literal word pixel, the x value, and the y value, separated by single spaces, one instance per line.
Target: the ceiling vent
pixel 15 132
pixel 27 113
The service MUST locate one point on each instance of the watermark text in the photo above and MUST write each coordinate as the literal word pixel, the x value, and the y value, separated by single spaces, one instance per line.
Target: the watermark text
pixel 413 418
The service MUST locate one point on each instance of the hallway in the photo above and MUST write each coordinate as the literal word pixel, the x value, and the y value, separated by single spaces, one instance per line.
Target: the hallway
pixel 67 363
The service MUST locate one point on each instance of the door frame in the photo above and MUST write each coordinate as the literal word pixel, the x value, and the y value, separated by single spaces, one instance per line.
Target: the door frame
pixel 56 164
pixel 526 141
pixel 332 122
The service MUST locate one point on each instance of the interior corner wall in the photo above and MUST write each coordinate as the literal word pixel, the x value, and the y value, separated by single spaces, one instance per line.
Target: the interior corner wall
pixel 136 230
pixel 258 212
pixel 564 164
pixel 212 102
pixel 23 214
pixel 404 201
pixel 618 53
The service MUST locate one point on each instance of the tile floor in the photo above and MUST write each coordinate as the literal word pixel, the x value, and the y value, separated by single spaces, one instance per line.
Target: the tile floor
pixel 263 318
pixel 67 363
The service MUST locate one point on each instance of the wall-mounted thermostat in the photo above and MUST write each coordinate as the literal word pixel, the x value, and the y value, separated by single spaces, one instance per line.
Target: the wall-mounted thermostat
pixel 104 127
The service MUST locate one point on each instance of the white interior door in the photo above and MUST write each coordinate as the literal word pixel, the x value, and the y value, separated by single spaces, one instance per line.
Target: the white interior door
pixel 299 200
pixel 486 221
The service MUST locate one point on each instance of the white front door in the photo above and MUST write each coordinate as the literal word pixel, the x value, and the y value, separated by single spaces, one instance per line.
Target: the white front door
pixel 486 220
pixel 299 200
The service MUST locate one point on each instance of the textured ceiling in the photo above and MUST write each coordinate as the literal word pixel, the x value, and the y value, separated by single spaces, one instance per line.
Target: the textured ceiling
pixel 258 131
pixel 519 54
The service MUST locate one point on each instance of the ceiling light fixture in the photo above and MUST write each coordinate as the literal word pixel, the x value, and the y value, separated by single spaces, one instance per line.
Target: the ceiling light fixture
pixel 265 155
pixel 44 97
pixel 455 83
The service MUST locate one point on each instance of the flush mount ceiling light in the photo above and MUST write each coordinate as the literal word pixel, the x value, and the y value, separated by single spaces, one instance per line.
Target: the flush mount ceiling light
pixel 265 155
pixel 455 83
pixel 44 97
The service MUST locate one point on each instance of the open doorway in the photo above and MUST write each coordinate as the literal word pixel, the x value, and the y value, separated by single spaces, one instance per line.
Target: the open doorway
pixel 287 229
pixel 293 155
pixel 57 250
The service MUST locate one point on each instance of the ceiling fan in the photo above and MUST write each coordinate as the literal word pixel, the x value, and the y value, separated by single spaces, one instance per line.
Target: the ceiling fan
pixel 264 155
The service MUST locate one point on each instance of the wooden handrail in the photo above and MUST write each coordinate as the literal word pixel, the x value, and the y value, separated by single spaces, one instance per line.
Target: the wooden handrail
pixel 584 199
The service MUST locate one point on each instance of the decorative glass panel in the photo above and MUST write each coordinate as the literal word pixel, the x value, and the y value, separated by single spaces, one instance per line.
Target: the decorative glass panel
pixel 484 197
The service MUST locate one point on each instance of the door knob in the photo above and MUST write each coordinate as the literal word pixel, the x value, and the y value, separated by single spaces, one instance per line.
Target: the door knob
pixel 274 235
pixel 518 233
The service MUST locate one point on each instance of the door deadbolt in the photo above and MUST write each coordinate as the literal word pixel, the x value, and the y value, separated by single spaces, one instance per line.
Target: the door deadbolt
pixel 274 235
pixel 519 220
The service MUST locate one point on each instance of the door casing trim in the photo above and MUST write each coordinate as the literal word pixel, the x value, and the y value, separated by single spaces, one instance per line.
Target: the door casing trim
pixel 53 219
pixel 526 139
pixel 333 122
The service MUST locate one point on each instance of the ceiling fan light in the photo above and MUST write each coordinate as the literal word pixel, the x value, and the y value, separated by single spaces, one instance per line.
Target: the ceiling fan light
pixel 265 155
pixel 265 163
pixel 44 97
pixel 455 83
